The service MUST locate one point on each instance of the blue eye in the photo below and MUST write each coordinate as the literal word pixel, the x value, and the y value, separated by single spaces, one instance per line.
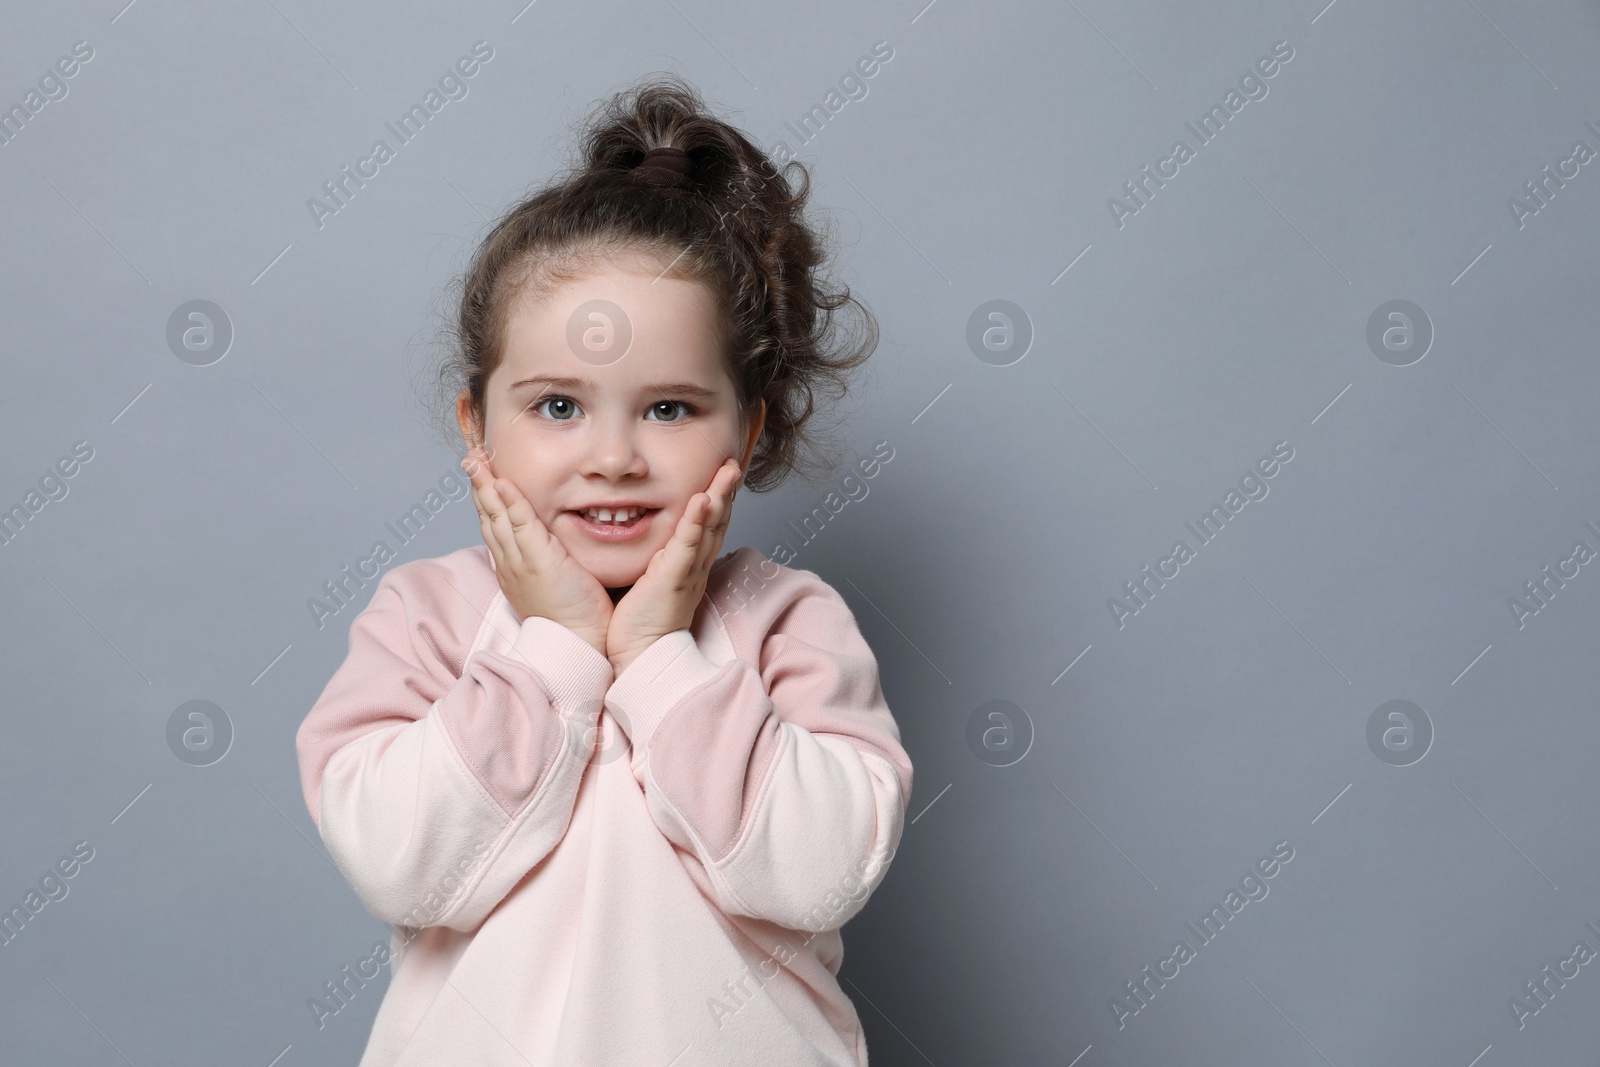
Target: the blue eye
pixel 658 405
pixel 551 400
pixel 570 406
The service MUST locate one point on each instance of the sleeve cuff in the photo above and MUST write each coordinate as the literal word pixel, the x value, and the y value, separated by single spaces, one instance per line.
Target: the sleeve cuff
pixel 655 682
pixel 573 672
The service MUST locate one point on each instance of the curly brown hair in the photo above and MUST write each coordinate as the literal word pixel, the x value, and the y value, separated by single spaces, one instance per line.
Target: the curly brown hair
pixel 739 228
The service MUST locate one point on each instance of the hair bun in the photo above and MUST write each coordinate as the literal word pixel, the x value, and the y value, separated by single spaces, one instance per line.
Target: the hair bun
pixel 664 169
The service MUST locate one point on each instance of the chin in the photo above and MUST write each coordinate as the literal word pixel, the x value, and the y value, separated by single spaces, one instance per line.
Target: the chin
pixel 609 567
pixel 618 579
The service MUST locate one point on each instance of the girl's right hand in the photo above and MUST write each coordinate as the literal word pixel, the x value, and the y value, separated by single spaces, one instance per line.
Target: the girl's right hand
pixel 536 573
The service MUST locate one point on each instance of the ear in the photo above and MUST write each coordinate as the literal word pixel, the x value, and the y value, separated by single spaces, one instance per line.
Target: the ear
pixel 471 431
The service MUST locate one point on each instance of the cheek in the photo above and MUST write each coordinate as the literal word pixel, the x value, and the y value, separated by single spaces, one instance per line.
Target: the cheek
pixel 690 468
pixel 531 479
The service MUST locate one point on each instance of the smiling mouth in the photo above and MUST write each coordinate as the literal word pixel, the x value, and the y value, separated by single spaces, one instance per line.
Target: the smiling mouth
pixel 634 521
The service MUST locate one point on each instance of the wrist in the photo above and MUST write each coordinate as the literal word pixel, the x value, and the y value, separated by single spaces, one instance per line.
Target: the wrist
pixel 593 638
pixel 621 658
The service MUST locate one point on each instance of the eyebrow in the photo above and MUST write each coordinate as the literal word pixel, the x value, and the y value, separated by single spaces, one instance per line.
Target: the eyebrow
pixel 552 381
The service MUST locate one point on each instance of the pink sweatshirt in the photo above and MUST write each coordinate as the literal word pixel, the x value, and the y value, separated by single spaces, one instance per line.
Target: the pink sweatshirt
pixel 582 869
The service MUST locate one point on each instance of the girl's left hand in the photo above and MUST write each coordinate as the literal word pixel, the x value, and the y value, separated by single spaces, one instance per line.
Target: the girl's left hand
pixel 666 595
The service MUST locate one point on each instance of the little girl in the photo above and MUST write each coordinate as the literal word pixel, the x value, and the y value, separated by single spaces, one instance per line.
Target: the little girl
pixel 615 792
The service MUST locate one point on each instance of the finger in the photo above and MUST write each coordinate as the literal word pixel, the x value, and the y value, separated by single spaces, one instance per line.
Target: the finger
pixel 493 521
pixel 486 524
pixel 500 519
pixel 731 475
pixel 530 535
pixel 477 472
pixel 703 537
pixel 735 481
pixel 712 546
pixel 681 552
pixel 477 465
pixel 721 493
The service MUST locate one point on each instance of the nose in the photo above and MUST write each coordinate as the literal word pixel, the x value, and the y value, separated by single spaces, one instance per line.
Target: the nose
pixel 612 449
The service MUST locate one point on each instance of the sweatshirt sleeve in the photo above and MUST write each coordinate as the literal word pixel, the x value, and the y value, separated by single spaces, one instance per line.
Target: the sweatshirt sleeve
pixel 438 783
pixel 787 781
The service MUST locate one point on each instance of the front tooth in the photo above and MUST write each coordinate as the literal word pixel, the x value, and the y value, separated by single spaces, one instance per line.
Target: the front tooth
pixel 621 515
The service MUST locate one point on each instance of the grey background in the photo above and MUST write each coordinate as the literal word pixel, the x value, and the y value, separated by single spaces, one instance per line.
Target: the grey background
pixel 1228 314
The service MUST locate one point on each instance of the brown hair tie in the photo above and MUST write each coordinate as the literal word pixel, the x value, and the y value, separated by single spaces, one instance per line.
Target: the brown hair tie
pixel 664 169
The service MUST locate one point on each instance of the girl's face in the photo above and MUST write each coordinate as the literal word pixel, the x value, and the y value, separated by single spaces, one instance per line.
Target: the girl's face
pixel 613 389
